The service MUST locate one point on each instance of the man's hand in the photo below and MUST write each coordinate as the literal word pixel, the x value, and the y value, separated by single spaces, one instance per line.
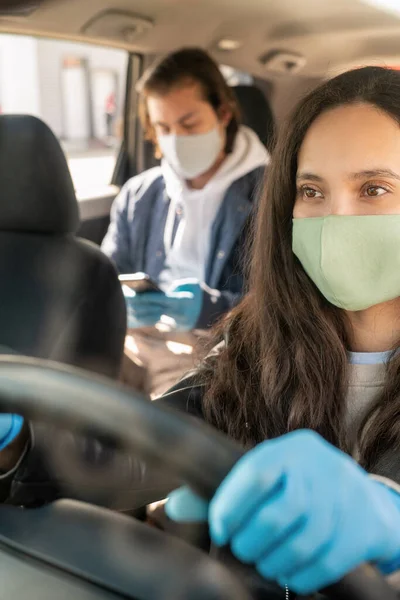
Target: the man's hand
pixel 182 304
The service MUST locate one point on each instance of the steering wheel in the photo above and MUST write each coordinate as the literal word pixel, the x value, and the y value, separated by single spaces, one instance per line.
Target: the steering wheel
pixel 195 452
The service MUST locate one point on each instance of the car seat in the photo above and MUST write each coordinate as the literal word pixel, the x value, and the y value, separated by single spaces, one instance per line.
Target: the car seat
pixel 256 112
pixel 60 297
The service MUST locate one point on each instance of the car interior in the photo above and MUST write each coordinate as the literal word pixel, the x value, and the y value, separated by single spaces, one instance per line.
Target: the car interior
pixel 287 47
pixel 71 549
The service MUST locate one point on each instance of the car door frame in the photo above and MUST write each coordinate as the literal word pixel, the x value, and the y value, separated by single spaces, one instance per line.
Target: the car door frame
pixel 95 206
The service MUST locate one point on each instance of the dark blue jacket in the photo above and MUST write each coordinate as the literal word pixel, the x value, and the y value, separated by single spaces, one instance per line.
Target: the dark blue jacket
pixel 135 239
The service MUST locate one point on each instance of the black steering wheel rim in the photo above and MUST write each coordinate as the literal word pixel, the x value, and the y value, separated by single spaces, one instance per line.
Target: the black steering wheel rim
pixel 201 456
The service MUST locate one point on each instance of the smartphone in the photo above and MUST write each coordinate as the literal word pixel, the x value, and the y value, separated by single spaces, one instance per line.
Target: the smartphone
pixel 139 283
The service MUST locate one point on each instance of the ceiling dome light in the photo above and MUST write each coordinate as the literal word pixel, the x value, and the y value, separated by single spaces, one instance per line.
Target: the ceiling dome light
pixel 229 44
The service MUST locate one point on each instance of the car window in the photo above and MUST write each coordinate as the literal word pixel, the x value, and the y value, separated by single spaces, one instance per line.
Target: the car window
pixel 78 90
pixel 235 77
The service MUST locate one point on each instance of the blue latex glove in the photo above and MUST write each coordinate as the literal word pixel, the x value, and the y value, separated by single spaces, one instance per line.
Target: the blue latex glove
pixel 10 427
pixel 300 510
pixel 182 304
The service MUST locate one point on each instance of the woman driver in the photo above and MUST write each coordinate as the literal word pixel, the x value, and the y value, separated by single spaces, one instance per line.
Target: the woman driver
pixel 309 361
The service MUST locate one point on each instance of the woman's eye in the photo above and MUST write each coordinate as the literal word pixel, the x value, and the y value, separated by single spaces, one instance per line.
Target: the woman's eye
pixel 310 193
pixel 373 191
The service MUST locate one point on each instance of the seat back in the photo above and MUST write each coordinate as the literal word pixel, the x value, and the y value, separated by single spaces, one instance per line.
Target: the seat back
pixel 256 112
pixel 60 297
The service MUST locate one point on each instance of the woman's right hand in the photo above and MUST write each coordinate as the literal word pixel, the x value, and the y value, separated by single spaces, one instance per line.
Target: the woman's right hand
pixel 14 434
pixel 10 428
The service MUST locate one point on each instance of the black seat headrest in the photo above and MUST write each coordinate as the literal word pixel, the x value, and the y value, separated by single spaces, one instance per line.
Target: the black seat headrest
pixel 256 112
pixel 37 193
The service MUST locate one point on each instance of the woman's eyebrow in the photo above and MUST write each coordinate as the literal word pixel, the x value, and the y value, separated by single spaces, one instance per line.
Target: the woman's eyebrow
pixel 375 173
pixel 309 176
pixel 358 175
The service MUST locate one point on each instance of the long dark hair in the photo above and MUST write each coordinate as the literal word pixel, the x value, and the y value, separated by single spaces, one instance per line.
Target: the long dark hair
pixel 189 65
pixel 285 364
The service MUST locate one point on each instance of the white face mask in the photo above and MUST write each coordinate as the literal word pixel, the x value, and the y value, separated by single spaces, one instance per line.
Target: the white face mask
pixel 191 155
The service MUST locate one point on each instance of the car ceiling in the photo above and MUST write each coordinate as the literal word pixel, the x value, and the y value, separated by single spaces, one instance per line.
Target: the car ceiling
pixel 329 35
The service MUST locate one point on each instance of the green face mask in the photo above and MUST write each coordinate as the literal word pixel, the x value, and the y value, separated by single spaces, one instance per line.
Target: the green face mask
pixel 353 260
